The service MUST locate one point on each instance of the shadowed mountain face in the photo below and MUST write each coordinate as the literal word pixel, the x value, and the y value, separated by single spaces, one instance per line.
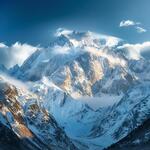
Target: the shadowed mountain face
pixel 9 140
pixel 136 140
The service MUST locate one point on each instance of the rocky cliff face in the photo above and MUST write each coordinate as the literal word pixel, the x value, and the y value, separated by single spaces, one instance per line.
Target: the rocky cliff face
pixel 29 125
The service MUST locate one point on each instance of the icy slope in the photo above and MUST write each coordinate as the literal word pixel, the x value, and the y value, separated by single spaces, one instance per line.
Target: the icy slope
pixel 90 126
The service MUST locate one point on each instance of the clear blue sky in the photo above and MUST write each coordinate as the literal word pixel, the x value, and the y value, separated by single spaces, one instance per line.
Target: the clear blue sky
pixel 34 21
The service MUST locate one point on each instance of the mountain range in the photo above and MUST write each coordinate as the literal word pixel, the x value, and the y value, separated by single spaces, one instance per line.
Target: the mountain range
pixel 86 91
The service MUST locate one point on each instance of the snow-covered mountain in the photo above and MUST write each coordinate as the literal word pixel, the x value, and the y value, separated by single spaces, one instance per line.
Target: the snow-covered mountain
pixel 96 89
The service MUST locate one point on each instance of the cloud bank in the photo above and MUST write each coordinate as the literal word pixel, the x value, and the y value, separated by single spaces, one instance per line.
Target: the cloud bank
pixel 15 54
pixel 135 51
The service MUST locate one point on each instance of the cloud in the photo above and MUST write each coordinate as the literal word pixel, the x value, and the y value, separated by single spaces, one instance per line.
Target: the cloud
pixel 62 31
pixel 127 23
pixel 130 23
pixel 135 51
pixel 101 101
pixel 140 30
pixel 13 81
pixel 15 54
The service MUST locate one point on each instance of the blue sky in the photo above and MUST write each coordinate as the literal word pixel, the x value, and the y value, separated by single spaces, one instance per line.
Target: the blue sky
pixel 34 21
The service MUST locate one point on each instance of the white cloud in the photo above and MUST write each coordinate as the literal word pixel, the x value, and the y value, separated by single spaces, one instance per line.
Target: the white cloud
pixel 130 23
pixel 13 81
pixel 15 54
pixel 2 45
pixel 126 23
pixel 134 51
pixel 62 31
pixel 140 30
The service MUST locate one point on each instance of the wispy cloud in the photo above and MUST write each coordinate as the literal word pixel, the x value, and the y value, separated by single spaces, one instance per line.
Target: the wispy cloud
pixel 131 23
pixel 140 30
pixel 15 54
pixel 135 51
pixel 13 81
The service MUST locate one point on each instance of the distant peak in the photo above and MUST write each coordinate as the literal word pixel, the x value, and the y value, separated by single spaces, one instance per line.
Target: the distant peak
pixel 71 33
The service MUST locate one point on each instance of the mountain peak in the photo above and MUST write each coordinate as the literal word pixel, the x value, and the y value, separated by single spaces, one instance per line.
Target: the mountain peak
pixel 82 38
